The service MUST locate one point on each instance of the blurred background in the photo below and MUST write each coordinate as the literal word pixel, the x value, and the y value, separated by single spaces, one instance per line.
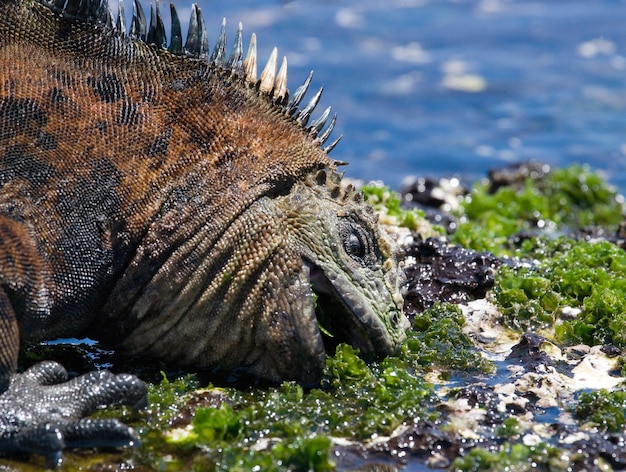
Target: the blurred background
pixel 451 88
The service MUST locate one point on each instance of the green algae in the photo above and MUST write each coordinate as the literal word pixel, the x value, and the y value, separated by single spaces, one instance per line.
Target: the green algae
pixel 509 428
pixel 286 427
pixel 562 276
pixel 438 341
pixel 576 288
pixel 571 291
pixel 516 458
pixel 574 197
pixel 602 409
pixel 290 428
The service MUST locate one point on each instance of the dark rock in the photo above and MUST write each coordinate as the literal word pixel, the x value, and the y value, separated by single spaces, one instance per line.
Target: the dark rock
pixel 515 175
pixel 528 353
pixel 445 273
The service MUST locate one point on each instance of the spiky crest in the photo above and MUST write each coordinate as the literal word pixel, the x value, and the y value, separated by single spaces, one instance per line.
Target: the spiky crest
pixel 270 84
pixel 332 180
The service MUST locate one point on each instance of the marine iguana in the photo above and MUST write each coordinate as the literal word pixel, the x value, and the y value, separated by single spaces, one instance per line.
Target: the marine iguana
pixel 171 204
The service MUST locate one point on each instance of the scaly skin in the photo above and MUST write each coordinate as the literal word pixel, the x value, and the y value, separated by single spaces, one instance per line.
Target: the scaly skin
pixel 170 208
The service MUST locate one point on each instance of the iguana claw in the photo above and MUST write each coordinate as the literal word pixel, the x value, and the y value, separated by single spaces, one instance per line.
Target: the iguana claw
pixel 42 412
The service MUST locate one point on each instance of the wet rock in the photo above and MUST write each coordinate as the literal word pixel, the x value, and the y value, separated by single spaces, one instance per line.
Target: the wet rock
pixel 212 397
pixel 577 352
pixel 610 350
pixel 437 271
pixel 497 406
pixel 436 198
pixel 620 235
pixel 590 450
pixel 377 468
pixel 597 369
pixel 478 395
pixel 425 442
pixel 431 193
pixel 530 353
pixel 516 174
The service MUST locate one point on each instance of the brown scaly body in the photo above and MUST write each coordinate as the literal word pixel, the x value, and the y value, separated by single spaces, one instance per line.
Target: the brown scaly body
pixel 171 205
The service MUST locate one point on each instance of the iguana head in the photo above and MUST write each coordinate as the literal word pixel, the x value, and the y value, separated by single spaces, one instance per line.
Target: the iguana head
pixel 349 264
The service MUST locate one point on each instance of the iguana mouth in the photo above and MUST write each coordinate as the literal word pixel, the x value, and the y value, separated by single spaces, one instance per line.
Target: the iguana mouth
pixel 342 318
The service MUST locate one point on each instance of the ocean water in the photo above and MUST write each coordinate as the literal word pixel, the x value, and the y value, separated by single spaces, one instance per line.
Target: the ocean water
pixel 442 88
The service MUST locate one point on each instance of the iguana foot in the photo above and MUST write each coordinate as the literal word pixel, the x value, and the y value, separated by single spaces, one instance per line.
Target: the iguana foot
pixel 44 413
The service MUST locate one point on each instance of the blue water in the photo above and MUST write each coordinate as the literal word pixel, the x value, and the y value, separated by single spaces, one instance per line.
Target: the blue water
pixel 435 88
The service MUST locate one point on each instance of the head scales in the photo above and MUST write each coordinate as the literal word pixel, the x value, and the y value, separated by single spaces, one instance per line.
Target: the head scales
pixel 269 84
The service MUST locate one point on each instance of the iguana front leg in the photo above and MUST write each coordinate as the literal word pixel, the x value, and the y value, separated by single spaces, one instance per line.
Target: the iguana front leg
pixel 40 410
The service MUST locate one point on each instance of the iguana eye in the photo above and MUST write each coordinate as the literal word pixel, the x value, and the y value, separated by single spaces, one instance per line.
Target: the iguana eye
pixel 354 246
pixel 357 242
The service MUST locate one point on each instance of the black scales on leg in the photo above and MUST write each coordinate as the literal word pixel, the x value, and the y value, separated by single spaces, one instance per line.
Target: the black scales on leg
pixel 43 412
